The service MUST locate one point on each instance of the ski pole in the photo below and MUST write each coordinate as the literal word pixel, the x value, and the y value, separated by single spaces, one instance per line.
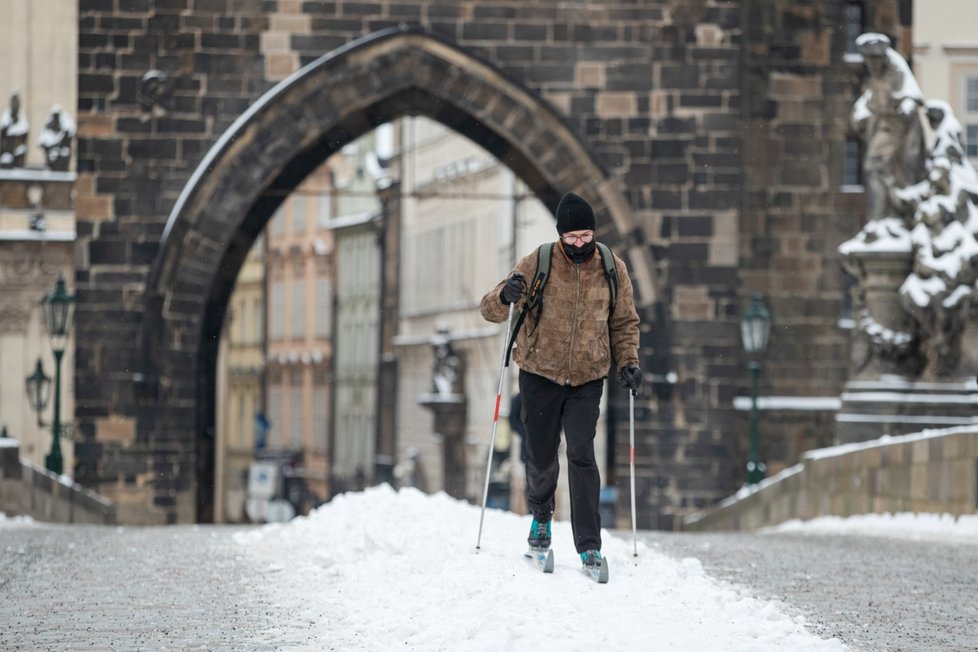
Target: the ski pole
pixel 631 440
pixel 495 421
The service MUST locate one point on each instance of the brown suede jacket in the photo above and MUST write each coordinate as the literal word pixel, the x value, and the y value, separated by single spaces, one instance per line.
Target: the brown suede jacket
pixel 572 341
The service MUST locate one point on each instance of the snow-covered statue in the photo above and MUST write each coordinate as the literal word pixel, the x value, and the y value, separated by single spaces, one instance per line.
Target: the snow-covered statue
pixel 448 376
pixel 887 118
pixel 55 140
pixel 939 291
pixel 13 135
pixel 922 220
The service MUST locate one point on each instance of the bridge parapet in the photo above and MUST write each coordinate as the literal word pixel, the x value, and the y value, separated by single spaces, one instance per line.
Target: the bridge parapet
pixel 930 471
pixel 28 490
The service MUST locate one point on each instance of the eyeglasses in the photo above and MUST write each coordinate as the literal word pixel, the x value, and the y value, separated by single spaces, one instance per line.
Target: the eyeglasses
pixel 570 238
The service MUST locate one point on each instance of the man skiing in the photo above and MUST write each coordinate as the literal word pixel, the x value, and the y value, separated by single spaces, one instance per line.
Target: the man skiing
pixel 569 336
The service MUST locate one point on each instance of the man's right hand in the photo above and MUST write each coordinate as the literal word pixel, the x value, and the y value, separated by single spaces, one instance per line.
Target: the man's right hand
pixel 513 289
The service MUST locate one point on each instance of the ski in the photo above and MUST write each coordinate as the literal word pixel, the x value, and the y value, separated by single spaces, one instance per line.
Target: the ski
pixel 598 572
pixel 542 557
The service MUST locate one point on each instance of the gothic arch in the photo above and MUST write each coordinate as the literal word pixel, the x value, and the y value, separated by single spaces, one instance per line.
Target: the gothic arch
pixel 293 128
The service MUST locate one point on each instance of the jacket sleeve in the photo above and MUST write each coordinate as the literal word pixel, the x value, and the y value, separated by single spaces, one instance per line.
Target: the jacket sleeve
pixel 623 325
pixel 492 307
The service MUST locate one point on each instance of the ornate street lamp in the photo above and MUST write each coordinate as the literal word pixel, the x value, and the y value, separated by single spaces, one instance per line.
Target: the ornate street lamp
pixel 755 327
pixel 59 309
pixel 38 390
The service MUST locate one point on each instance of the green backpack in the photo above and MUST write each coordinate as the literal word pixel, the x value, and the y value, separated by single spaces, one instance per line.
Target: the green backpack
pixel 535 294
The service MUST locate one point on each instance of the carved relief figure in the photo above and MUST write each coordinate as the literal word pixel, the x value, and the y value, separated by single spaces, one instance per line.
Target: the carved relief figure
pixel 55 140
pixel 13 135
pixel 939 291
pixel 448 374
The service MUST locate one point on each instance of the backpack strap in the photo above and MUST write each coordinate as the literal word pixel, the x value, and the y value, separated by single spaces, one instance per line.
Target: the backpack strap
pixel 608 259
pixel 535 293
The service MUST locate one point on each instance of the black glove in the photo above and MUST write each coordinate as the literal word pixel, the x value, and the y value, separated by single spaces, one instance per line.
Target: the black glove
pixel 513 289
pixel 631 377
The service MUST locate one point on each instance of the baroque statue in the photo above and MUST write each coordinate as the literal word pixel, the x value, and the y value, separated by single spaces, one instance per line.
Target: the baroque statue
pixel 55 140
pixel 920 235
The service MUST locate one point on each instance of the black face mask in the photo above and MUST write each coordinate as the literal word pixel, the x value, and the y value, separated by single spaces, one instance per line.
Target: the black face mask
pixel 579 254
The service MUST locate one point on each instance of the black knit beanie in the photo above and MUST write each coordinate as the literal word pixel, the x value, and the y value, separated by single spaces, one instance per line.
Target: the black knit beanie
pixel 574 214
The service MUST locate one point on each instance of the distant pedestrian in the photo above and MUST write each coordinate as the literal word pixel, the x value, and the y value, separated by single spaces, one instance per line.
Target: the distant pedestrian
pixel 565 350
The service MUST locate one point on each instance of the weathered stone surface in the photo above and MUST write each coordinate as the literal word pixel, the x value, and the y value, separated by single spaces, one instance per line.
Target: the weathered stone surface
pixel 651 103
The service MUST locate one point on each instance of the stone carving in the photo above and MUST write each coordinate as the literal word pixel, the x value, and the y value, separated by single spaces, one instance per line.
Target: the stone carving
pixel 916 260
pixel 450 407
pixel 14 317
pixel 155 89
pixel 448 375
pixel 55 140
pixel 13 135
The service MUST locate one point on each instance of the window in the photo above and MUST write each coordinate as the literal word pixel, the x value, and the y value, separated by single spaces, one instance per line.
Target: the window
pixel 852 165
pixel 277 317
pixel 298 214
pixel 274 435
pixel 855 25
pixel 971 94
pixel 324 308
pixel 240 437
pixel 298 309
pixel 242 311
pixel 295 416
pixel 259 322
pixel 278 222
pixel 324 212
pixel 438 271
pixel 320 424
pixel 971 140
pixel 970 117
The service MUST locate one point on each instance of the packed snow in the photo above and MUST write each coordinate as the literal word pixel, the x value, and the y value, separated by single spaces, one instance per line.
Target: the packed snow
pixel 918 527
pixel 386 569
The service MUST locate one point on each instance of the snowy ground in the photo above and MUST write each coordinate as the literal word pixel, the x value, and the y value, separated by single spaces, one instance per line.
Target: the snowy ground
pixel 383 570
pixel 353 576
pixel 917 527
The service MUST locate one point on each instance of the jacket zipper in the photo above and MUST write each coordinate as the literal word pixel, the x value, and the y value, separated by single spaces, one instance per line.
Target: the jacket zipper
pixel 577 305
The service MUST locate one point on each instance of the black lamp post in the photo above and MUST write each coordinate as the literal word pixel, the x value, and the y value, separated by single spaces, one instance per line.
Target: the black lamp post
pixel 58 312
pixel 38 390
pixel 755 327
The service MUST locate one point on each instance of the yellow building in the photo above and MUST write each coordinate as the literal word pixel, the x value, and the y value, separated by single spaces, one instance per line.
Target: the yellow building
pixel 240 390
pixel 299 316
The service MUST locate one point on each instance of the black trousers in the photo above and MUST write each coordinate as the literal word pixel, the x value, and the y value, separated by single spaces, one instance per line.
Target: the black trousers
pixel 546 408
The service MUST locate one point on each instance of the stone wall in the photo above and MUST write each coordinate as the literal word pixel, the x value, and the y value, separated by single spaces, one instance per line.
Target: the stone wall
pixel 936 471
pixel 720 123
pixel 28 490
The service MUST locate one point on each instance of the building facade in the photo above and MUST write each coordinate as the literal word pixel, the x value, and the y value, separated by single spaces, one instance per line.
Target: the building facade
pixel 300 271
pixel 38 65
pixel 710 136
pixel 945 61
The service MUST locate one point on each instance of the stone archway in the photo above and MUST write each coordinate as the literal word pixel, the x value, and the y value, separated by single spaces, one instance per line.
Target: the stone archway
pixel 269 150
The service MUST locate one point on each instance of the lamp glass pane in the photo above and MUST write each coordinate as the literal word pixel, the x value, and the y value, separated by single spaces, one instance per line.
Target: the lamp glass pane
pixel 38 389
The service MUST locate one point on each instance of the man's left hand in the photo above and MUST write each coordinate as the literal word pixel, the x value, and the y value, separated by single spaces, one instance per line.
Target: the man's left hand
pixel 631 377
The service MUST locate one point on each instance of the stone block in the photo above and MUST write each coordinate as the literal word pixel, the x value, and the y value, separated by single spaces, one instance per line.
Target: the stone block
pixel 10 467
pixel 116 429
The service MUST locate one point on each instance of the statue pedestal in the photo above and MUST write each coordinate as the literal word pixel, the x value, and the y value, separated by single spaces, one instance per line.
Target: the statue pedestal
pixel 894 405
pixel 881 340
pixel 451 411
